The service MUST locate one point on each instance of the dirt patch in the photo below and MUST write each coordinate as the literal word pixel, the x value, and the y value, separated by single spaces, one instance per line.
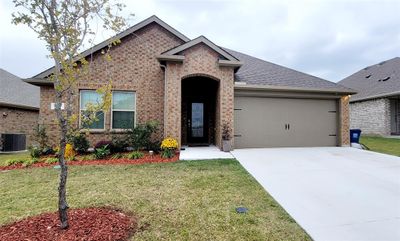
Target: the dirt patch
pixel 145 159
pixel 84 224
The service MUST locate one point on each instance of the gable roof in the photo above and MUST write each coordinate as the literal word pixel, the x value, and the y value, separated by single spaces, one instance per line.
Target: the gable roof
pixel 375 81
pixel 204 40
pixel 252 71
pixel 14 92
pixel 134 28
pixel 256 71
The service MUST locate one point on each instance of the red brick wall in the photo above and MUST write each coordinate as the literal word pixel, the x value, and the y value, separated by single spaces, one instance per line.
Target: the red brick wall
pixel 19 121
pixel 135 68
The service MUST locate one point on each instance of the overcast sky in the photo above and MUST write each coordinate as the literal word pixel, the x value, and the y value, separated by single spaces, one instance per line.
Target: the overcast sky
pixel 330 39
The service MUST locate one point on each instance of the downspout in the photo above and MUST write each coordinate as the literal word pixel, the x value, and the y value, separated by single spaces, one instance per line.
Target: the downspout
pixel 165 97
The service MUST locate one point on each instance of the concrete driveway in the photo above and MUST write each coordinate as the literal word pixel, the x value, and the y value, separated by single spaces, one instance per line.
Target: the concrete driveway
pixel 334 193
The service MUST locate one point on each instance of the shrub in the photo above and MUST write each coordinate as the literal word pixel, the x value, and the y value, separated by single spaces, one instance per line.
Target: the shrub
pixel 168 147
pixel 29 162
pixel 11 162
pixel 48 151
pixel 86 157
pixel 40 136
pixel 117 156
pixel 118 144
pixel 35 151
pixel 103 143
pixel 69 152
pixel 24 162
pixel 140 136
pixel 135 155
pixel 51 160
pixel 80 143
pixel 101 152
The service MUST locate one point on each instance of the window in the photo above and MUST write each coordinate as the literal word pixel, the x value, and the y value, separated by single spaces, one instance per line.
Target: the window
pixel 123 110
pixel 91 97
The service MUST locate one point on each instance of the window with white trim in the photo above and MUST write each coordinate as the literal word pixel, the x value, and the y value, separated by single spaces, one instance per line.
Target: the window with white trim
pixel 123 110
pixel 91 97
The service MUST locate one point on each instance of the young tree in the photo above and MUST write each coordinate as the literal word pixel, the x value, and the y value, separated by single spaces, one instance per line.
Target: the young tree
pixel 65 26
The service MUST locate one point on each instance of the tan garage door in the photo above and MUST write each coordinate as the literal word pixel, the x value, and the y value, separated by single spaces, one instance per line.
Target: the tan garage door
pixel 283 122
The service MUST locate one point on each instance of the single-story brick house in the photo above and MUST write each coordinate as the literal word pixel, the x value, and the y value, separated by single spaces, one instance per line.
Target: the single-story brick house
pixel 19 110
pixel 375 109
pixel 194 87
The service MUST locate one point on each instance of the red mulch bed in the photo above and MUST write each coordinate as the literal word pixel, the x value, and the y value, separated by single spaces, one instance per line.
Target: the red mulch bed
pixel 146 159
pixel 84 224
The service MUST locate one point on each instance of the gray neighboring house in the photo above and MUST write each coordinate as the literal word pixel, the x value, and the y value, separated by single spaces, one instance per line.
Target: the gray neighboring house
pixel 19 112
pixel 375 109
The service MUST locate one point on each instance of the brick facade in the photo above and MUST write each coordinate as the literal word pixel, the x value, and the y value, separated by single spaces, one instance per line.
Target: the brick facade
pixel 371 116
pixel 134 68
pixel 19 121
pixel 344 121
pixel 200 60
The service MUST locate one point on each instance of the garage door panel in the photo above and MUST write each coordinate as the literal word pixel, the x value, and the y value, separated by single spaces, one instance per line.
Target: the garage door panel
pixel 260 122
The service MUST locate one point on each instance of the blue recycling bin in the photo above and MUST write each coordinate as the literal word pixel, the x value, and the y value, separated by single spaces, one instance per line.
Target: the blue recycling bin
pixel 355 135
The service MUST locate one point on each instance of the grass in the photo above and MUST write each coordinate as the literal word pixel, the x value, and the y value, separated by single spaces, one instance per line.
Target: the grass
pixel 12 156
pixel 173 201
pixel 389 146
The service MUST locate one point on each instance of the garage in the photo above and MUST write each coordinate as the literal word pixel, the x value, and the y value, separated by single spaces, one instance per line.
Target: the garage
pixel 285 122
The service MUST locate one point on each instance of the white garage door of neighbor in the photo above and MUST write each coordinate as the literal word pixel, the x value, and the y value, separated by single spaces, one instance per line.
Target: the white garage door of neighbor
pixel 284 122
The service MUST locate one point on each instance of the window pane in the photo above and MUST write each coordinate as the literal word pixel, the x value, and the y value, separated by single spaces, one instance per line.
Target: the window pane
pixel 123 100
pixel 123 119
pixel 95 124
pixel 89 96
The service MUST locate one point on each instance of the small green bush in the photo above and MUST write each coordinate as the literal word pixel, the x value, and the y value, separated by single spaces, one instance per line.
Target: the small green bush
pixel 86 157
pixel 35 151
pixel 24 162
pixel 80 143
pixel 51 160
pixel 167 153
pixel 117 156
pixel 140 136
pixel 101 152
pixel 135 155
pixel 11 162
pixel 29 162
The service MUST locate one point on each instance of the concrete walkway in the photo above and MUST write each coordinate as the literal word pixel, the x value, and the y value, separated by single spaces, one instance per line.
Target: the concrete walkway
pixel 203 153
pixel 333 193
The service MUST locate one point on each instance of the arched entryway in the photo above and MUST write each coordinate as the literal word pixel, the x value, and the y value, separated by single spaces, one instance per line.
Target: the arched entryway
pixel 199 110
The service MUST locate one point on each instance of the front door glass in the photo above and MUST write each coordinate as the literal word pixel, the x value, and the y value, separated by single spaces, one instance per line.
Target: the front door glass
pixel 197 129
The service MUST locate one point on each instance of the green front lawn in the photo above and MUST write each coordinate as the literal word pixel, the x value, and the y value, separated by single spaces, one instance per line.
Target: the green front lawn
pixel 381 144
pixel 173 201
pixel 20 155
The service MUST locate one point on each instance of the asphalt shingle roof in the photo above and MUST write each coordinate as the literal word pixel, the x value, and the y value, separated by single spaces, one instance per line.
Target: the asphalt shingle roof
pixel 256 71
pixel 15 92
pixel 375 81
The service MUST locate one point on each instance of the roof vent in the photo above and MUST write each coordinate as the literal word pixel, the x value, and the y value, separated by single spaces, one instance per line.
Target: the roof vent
pixel 367 77
pixel 381 63
pixel 387 78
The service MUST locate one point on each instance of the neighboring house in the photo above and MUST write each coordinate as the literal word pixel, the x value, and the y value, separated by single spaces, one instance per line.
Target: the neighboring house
pixel 19 110
pixel 375 109
pixel 194 87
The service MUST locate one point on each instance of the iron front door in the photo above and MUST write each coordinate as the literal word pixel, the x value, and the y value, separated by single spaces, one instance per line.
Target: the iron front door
pixel 197 133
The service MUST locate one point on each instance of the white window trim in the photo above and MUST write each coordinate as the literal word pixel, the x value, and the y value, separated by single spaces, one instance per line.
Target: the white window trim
pixel 123 110
pixel 80 114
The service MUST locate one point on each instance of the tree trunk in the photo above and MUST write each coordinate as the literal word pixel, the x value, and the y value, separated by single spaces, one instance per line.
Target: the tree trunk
pixel 62 188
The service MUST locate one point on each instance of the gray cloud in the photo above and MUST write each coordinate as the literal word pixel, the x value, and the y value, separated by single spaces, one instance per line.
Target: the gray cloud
pixel 329 39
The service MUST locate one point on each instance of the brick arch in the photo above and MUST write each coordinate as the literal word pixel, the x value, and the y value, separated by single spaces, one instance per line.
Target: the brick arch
pixel 200 75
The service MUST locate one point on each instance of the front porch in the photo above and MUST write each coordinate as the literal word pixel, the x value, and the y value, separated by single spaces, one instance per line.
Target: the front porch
pixel 203 153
